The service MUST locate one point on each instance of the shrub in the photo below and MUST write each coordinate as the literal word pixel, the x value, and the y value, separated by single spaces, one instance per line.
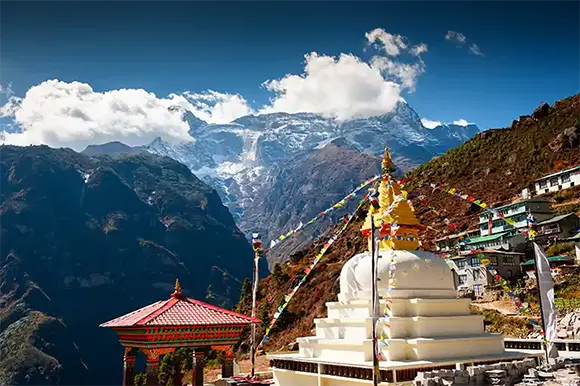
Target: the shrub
pixel 560 249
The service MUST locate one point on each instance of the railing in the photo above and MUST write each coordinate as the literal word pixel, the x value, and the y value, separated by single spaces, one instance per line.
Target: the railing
pixel 536 344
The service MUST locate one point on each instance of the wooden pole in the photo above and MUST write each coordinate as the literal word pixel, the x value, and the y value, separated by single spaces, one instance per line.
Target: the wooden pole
pixel 374 300
pixel 257 245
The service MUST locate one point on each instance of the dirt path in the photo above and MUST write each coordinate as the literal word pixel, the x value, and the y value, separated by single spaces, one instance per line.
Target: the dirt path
pixel 504 307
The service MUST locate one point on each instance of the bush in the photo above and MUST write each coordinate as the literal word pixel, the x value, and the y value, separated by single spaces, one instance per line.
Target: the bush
pixel 560 249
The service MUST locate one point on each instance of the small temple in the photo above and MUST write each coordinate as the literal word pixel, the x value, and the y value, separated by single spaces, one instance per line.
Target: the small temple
pixel 162 327
pixel 428 327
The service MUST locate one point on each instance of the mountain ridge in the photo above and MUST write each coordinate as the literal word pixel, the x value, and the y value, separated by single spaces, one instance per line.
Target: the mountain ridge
pixel 86 239
pixel 242 158
pixel 548 134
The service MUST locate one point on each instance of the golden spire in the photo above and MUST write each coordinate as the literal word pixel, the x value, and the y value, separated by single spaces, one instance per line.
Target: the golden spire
pixel 395 217
pixel 177 292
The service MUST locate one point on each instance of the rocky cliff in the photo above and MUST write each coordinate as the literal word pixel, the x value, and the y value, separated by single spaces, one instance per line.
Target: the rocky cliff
pixel 87 239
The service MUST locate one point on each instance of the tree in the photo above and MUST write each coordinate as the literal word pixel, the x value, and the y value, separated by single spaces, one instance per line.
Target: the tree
pixel 245 295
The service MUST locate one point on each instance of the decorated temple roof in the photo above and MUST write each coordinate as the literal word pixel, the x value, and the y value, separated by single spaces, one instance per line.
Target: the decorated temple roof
pixel 180 311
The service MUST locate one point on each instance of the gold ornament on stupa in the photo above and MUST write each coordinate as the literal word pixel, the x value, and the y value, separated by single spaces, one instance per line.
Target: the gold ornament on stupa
pixel 394 217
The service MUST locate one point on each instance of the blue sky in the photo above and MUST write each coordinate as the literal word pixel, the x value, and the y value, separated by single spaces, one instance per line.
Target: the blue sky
pixel 530 49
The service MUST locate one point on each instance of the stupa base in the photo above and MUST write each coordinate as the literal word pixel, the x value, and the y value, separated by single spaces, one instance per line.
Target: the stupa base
pixel 295 370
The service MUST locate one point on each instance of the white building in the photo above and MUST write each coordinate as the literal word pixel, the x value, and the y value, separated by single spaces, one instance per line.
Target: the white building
pixel 517 212
pixel 561 180
pixel 471 275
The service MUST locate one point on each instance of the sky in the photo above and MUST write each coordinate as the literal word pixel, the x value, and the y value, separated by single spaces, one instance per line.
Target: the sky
pixel 74 73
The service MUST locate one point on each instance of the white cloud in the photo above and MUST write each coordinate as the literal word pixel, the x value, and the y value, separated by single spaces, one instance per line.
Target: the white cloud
pixel 405 73
pixel 460 38
pixel 474 49
pixel 391 44
pixel 461 122
pixel 419 49
pixel 342 87
pixel 429 123
pixel 57 113
pixel 456 37
pixel 346 87
pixel 215 107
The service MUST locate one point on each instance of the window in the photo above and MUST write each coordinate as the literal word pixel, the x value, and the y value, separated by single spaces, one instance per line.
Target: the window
pixel 477 274
pixel 509 260
pixel 554 181
pixel 478 290
pixel 474 261
pixel 461 264
pixel 493 260
pixel 543 184
pixel 462 279
pixel 565 177
pixel 483 226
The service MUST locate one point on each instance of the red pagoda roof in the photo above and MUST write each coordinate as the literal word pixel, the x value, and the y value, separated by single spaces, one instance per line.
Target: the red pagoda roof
pixel 179 311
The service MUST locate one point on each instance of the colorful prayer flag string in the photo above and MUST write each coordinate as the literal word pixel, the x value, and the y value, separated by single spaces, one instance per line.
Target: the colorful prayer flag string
pixel 337 205
pixel 309 270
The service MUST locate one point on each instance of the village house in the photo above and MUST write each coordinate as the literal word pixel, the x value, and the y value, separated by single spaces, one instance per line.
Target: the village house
pixel 471 276
pixel 508 241
pixel 450 242
pixel 490 224
pixel 561 180
pixel 560 227
pixel 576 240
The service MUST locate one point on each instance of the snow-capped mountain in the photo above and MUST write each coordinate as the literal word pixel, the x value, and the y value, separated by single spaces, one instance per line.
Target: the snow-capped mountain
pixel 242 159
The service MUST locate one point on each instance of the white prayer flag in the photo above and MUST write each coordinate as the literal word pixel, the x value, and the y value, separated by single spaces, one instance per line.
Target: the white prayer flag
pixel 546 290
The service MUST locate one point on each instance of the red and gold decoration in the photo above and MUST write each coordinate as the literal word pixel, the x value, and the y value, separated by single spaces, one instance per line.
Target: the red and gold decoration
pixel 163 326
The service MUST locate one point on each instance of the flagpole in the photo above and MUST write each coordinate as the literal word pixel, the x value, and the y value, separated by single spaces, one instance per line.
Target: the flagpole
pixel 257 246
pixel 376 371
pixel 530 240
pixel 540 301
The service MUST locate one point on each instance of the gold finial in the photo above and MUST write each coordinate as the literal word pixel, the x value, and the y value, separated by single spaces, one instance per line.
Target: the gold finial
pixel 394 215
pixel 177 292
pixel 387 162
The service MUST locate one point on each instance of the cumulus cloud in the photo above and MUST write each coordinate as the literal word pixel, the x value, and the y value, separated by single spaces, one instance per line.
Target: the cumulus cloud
pixel 346 87
pixel 342 87
pixel 461 122
pixel 455 37
pixel 72 114
pixel 429 123
pixel 215 107
pixel 391 44
pixel 419 49
pixel 474 49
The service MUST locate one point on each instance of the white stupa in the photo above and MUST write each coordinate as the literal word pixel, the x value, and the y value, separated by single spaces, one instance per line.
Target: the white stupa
pixel 428 326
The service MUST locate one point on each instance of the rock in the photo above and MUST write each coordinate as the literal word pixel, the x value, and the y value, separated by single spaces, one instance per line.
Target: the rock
pixel 461 380
pixel 563 334
pixel 541 111
pixel 292 346
pixel 566 319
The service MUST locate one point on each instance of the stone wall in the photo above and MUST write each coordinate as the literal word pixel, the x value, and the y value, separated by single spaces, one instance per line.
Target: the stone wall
pixel 503 373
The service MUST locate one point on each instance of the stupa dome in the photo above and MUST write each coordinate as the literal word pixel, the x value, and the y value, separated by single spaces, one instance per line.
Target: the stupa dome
pixel 416 274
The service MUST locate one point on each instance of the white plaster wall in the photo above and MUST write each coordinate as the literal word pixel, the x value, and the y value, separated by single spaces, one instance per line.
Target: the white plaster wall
pixel 425 349
pixel 401 307
pixel 418 327
pixel 291 378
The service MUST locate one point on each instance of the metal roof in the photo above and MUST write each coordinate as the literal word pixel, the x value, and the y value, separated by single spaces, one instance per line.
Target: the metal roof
pixel 550 259
pixel 483 239
pixel 557 173
pixel 556 219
